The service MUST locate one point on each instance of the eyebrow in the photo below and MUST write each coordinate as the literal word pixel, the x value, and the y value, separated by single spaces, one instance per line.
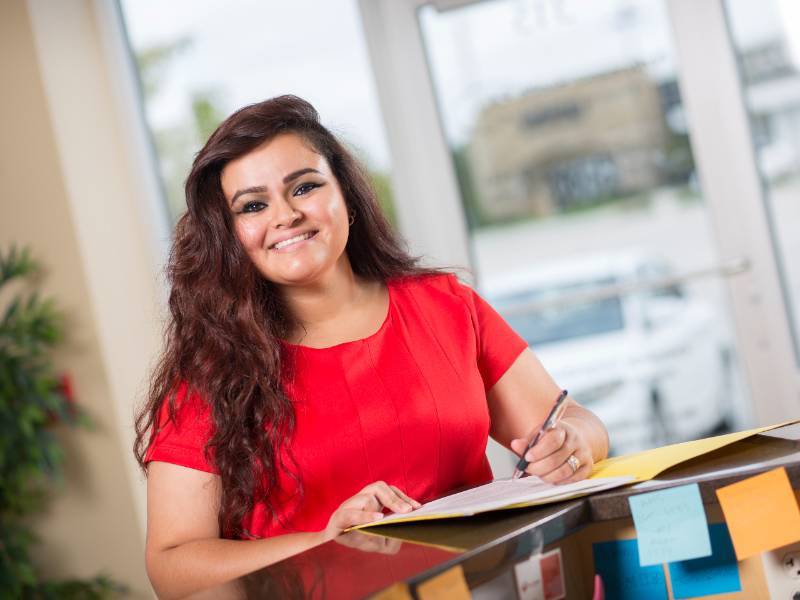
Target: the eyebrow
pixel 258 189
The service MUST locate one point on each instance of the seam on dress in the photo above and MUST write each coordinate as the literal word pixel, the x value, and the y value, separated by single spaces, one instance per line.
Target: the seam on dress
pixel 396 412
pixel 435 408
pixel 476 327
pixel 431 329
pixel 360 426
pixel 473 315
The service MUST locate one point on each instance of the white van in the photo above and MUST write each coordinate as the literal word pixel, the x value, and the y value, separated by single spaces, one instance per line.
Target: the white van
pixel 652 363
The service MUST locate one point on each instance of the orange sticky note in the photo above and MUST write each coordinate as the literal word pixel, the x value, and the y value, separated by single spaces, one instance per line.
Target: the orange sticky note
pixel 449 585
pixel 398 591
pixel 761 513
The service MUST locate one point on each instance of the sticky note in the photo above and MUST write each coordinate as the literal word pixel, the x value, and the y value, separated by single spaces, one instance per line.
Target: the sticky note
pixel 450 584
pixel 670 525
pixel 617 563
pixel 398 591
pixel 552 575
pixel 541 577
pixel 761 513
pixel 528 579
pixel 715 574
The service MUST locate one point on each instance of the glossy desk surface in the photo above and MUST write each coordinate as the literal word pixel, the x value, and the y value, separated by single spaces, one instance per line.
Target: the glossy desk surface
pixel 359 564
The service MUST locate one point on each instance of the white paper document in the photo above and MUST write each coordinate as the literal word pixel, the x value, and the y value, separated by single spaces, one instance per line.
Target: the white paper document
pixel 504 493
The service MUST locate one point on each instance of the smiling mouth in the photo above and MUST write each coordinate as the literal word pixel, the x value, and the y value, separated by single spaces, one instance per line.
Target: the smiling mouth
pixel 294 240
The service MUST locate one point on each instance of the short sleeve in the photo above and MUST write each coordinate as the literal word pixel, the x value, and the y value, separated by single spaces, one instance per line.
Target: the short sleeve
pixel 182 441
pixel 498 345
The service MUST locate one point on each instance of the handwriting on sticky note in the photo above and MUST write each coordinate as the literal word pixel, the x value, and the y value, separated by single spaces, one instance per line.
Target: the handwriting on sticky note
pixel 449 584
pixel 761 513
pixel 670 525
pixel 715 574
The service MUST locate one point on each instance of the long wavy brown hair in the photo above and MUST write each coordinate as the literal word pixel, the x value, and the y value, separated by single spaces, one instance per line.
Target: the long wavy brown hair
pixel 226 319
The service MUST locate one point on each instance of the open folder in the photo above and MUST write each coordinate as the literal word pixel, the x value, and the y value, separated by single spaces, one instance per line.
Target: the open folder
pixel 613 472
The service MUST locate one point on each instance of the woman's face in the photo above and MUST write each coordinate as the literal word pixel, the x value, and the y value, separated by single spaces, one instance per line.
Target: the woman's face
pixel 288 210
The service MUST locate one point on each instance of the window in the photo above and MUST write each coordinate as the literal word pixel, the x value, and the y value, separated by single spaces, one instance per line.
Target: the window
pixel 199 60
pixel 766 36
pixel 567 130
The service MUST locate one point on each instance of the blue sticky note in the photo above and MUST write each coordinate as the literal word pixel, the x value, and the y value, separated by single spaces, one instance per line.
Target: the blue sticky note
pixel 715 574
pixel 617 563
pixel 670 525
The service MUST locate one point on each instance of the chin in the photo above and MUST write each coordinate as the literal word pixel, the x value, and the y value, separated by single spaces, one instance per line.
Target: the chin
pixel 303 270
pixel 298 276
pixel 295 281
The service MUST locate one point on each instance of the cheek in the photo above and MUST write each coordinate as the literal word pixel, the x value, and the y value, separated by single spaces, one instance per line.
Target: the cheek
pixel 336 213
pixel 341 228
pixel 250 233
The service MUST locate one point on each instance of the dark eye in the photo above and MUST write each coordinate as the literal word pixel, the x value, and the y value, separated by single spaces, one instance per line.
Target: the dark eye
pixel 253 206
pixel 304 188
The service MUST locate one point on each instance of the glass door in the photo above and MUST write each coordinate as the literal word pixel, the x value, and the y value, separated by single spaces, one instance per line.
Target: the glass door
pixel 766 38
pixel 587 224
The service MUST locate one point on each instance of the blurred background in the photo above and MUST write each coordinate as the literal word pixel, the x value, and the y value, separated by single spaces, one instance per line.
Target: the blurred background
pixel 620 177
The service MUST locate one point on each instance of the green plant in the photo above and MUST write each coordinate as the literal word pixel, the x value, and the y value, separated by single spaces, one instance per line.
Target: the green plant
pixel 33 400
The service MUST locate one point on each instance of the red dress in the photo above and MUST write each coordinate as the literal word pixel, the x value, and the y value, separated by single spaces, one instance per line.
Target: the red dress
pixel 406 405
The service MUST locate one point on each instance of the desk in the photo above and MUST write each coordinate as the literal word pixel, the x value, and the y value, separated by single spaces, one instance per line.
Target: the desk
pixel 487 546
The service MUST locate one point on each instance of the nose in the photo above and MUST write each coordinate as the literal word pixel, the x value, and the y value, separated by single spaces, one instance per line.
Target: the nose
pixel 286 215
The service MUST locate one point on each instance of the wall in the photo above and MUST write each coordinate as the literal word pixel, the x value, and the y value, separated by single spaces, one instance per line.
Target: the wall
pixel 66 193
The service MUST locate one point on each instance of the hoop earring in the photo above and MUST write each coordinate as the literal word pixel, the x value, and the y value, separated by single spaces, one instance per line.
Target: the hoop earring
pixel 352 218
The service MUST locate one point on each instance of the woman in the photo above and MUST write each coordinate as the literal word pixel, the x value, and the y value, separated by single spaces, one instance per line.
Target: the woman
pixel 314 375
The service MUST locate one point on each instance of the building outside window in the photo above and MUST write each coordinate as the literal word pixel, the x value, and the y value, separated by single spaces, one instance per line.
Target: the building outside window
pixel 566 128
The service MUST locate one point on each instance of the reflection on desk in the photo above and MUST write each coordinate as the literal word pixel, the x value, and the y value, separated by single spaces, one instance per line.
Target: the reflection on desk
pixel 359 564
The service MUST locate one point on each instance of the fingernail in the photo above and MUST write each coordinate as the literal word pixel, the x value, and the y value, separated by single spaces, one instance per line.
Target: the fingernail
pixel 529 457
pixel 377 516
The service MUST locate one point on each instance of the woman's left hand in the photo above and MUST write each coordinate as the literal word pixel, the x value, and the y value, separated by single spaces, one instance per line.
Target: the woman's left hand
pixel 369 543
pixel 562 455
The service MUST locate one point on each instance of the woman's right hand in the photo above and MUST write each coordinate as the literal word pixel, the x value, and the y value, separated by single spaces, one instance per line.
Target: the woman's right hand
pixel 367 506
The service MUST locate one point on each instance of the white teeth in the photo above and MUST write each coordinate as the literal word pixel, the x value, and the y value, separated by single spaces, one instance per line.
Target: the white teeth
pixel 294 240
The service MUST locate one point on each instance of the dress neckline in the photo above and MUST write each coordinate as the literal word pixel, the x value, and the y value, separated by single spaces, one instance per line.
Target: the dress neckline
pixel 341 345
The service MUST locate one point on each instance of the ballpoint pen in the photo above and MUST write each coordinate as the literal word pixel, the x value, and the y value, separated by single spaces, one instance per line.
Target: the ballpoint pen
pixel 555 414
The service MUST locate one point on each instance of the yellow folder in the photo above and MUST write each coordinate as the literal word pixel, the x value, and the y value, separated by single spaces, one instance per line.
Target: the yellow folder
pixel 637 467
pixel 645 465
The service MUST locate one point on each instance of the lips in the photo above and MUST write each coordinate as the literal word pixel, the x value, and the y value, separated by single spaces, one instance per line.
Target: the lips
pixel 288 241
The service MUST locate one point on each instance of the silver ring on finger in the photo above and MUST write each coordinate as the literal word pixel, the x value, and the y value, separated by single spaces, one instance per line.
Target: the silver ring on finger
pixel 574 463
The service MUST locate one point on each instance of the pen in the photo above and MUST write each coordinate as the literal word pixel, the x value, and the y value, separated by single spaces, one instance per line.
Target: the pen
pixel 549 423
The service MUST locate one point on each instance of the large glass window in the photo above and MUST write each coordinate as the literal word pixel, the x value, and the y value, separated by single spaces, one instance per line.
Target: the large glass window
pixel 587 220
pixel 199 60
pixel 766 35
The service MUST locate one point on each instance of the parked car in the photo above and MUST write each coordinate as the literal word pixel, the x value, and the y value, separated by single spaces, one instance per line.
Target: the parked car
pixel 653 363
